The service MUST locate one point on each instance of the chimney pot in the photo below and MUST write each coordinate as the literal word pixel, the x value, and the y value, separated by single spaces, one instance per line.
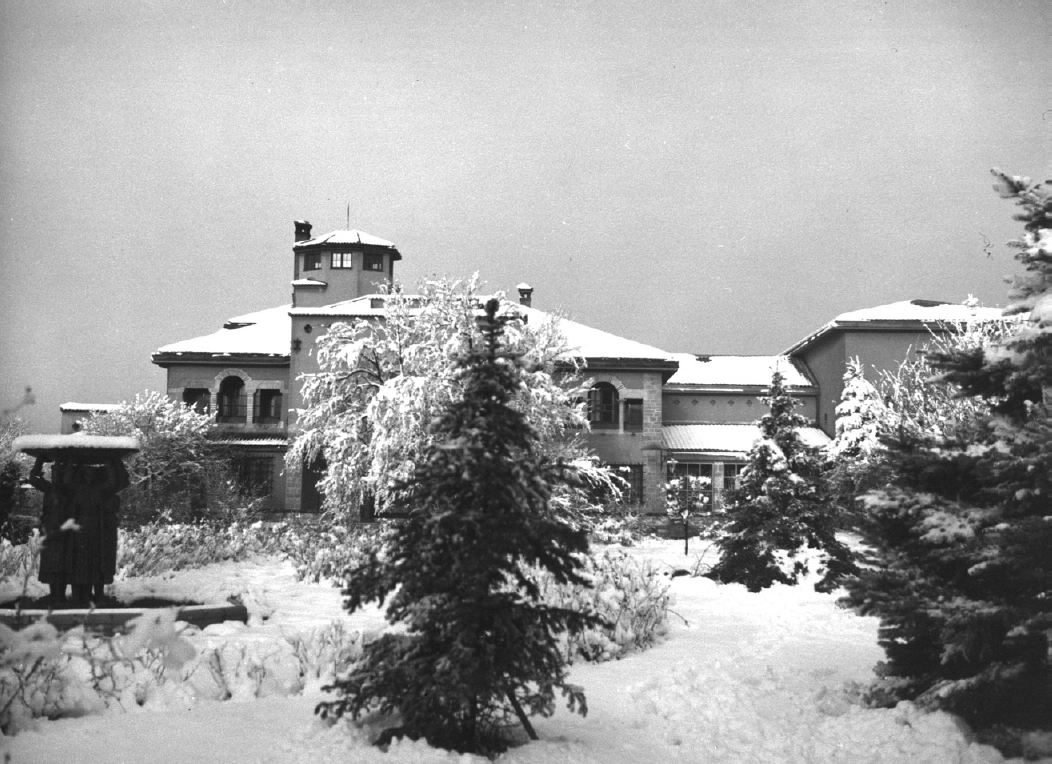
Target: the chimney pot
pixel 525 294
pixel 302 230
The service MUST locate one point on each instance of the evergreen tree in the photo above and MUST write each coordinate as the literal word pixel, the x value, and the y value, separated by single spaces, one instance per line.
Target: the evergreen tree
pixel 779 507
pixel 857 416
pixel 854 462
pixel 962 579
pixel 480 648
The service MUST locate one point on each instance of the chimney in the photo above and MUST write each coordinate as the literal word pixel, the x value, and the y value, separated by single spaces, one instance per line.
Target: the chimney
pixel 302 230
pixel 525 294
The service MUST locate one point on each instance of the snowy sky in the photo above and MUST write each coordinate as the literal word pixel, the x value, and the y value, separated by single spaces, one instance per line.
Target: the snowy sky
pixel 699 175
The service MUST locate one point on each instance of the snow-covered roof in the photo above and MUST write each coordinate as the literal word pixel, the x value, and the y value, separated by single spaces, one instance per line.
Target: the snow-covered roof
pixel 37 443
pixel 907 314
pixel 346 237
pixel 265 332
pixel 268 332
pixel 368 305
pixel 308 283
pixel 595 343
pixel 78 407
pixel 726 438
pixel 735 371
pixel 586 340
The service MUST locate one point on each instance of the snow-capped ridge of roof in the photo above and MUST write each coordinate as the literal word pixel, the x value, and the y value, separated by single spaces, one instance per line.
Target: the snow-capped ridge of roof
pixel 918 312
pixel 352 236
pixel 73 406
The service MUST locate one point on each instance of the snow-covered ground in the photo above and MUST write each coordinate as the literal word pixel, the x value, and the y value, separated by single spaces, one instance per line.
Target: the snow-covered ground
pixel 740 678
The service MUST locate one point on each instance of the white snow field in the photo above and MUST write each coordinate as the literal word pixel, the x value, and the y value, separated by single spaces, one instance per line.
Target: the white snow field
pixel 740 677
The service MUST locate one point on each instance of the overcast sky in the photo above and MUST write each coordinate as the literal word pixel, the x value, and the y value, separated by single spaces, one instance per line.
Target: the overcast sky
pixel 712 176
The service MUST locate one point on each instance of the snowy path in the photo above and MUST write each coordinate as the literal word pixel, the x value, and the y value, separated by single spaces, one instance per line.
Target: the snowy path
pixel 750 678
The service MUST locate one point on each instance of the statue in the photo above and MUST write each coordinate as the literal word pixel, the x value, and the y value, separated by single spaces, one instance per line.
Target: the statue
pixel 80 511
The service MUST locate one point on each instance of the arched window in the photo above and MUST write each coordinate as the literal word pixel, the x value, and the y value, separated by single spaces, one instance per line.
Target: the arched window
pixel 603 406
pixel 232 400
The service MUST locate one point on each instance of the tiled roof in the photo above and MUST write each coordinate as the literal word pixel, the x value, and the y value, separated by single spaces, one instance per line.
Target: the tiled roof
pixel 908 314
pixel 346 237
pixel 265 332
pixel 732 438
pixel 735 370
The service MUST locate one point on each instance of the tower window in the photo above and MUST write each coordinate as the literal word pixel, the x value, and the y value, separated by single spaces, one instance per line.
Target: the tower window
pixel 311 261
pixel 371 262
pixel 602 406
pixel 343 259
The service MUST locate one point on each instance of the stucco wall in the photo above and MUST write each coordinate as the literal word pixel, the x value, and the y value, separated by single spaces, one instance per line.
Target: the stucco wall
pixel 724 408
pixel 825 360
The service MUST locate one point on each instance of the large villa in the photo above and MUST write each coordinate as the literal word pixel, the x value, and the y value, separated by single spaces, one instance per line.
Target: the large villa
pixel 653 413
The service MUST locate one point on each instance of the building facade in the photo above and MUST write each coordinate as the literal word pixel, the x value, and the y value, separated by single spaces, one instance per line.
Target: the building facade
pixel 653 414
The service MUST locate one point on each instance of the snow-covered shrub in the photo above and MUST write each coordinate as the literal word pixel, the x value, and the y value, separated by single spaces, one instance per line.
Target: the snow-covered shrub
pixel 630 595
pixel 182 473
pixel 326 652
pixel 622 530
pixel 20 561
pixel 369 408
pixel 160 547
pixel 324 552
pixel 48 673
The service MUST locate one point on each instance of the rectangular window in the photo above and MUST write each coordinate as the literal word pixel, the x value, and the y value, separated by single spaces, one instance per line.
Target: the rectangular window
pixel 632 474
pixel 197 398
pixel 633 415
pixel 731 473
pixel 311 261
pixel 691 482
pixel 602 407
pixel 266 407
pixel 372 262
pixel 342 259
pixel 255 474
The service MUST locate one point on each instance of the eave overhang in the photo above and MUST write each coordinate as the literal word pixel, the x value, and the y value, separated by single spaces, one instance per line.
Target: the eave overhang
pixel 164 360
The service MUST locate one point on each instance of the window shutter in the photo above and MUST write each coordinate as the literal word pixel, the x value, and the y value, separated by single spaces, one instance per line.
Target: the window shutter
pixel 255 405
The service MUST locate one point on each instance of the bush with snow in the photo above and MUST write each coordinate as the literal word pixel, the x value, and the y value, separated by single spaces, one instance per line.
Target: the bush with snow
pixel 630 595
pixel 369 408
pixel 48 673
pixel 182 472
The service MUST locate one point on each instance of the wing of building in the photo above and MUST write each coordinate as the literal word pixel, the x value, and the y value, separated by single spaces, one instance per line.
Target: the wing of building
pixel 653 413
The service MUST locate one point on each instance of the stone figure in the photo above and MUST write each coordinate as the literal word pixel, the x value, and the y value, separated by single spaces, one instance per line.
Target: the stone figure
pixel 79 522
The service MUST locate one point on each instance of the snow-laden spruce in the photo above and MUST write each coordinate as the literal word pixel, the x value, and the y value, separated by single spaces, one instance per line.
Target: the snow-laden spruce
pixel 962 575
pixel 480 649
pixel 780 507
